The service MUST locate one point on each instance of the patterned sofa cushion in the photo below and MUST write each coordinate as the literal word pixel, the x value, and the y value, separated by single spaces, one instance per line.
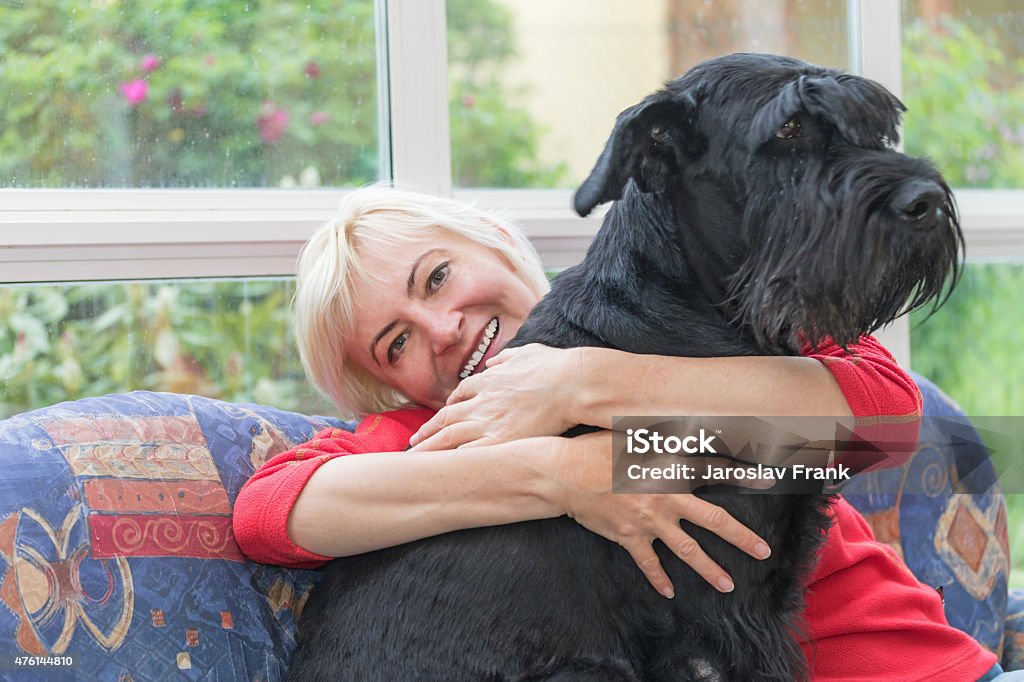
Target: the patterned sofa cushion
pixel 116 546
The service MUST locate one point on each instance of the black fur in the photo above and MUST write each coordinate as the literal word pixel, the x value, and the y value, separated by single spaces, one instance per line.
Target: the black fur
pixel 725 240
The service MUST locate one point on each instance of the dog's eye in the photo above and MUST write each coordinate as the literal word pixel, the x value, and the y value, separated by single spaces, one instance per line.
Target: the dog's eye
pixel 660 135
pixel 790 130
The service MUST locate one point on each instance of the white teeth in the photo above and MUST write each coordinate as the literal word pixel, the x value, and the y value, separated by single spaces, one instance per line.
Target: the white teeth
pixel 485 342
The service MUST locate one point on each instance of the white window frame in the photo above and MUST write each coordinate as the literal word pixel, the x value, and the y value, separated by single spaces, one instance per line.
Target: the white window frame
pixel 73 235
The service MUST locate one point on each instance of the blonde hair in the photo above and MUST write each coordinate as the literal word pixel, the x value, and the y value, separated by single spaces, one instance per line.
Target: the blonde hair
pixel 329 266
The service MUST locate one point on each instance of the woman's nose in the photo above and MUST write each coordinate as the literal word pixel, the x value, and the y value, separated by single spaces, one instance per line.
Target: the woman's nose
pixel 444 330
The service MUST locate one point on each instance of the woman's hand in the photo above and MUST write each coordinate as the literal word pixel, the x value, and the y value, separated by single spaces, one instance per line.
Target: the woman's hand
pixel 527 391
pixel 581 469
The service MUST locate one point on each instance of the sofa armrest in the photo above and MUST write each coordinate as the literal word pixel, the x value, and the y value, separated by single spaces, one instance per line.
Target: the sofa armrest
pixel 116 545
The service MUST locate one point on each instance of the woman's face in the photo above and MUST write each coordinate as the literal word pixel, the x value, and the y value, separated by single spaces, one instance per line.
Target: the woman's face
pixel 431 313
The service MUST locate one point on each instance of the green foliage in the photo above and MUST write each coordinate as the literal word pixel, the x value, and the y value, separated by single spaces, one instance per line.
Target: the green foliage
pixel 212 80
pixel 494 143
pixel 219 93
pixel 965 105
pixel 480 163
pixel 970 346
pixel 229 339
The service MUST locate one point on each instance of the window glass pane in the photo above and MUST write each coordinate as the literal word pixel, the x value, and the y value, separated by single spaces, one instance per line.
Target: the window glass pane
pixel 228 339
pixel 962 67
pixel 535 85
pixel 971 346
pixel 175 93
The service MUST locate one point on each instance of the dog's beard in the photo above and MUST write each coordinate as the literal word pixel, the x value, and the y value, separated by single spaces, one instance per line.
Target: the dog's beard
pixel 842 265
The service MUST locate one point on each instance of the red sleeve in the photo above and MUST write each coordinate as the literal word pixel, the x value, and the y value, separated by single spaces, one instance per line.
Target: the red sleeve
pixel 885 401
pixel 872 382
pixel 261 510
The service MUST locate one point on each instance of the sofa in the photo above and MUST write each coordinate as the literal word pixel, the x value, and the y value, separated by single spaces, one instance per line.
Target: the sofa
pixel 117 559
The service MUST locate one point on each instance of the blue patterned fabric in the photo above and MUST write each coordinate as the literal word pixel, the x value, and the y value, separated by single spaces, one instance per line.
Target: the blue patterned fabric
pixel 115 543
pixel 954 542
pixel 1013 642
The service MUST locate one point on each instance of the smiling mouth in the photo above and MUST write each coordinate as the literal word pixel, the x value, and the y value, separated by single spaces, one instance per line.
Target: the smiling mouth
pixel 485 342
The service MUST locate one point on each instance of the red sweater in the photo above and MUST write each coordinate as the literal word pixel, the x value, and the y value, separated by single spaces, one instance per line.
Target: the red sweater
pixel 868 618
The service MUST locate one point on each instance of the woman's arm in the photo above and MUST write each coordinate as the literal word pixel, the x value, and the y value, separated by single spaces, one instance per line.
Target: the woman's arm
pixel 426 494
pixel 335 496
pixel 536 390
pixel 746 386
pixel 367 502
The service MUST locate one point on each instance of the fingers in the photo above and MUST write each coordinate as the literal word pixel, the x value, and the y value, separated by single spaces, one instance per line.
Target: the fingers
pixel 715 519
pixel 467 388
pixel 433 425
pixel 447 416
pixel 690 553
pixel 645 558
pixel 451 436
pixel 501 357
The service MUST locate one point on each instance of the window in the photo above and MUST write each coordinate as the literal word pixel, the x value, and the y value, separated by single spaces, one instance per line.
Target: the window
pixel 228 339
pixel 970 346
pixel 962 86
pixel 173 94
pixel 108 172
pixel 534 86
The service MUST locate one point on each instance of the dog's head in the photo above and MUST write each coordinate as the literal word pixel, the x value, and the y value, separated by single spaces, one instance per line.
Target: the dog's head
pixel 783 175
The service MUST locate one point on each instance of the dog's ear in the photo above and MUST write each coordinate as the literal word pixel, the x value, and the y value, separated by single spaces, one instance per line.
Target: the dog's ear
pixel 863 112
pixel 774 114
pixel 645 146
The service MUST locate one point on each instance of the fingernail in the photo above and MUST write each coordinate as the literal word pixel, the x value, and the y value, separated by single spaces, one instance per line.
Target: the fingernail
pixel 725 584
pixel 762 551
pixel 668 592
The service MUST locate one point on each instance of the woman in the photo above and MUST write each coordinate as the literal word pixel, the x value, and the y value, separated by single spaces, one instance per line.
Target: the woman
pixel 402 300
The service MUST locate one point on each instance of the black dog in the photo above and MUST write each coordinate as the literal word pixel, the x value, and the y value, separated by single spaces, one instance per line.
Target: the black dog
pixel 760 206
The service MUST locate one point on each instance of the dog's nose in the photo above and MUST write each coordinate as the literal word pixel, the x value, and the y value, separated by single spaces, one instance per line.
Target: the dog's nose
pixel 918 202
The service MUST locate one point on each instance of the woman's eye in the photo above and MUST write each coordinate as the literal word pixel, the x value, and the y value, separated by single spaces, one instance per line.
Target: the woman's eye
pixel 437 277
pixel 789 130
pixel 395 349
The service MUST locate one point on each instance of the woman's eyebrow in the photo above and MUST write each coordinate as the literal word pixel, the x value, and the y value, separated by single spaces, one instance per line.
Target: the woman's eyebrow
pixel 412 272
pixel 409 285
pixel 380 335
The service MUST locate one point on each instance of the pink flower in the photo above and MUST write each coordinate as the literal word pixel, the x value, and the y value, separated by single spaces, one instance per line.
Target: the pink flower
pixel 318 118
pixel 272 122
pixel 150 63
pixel 312 70
pixel 135 91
